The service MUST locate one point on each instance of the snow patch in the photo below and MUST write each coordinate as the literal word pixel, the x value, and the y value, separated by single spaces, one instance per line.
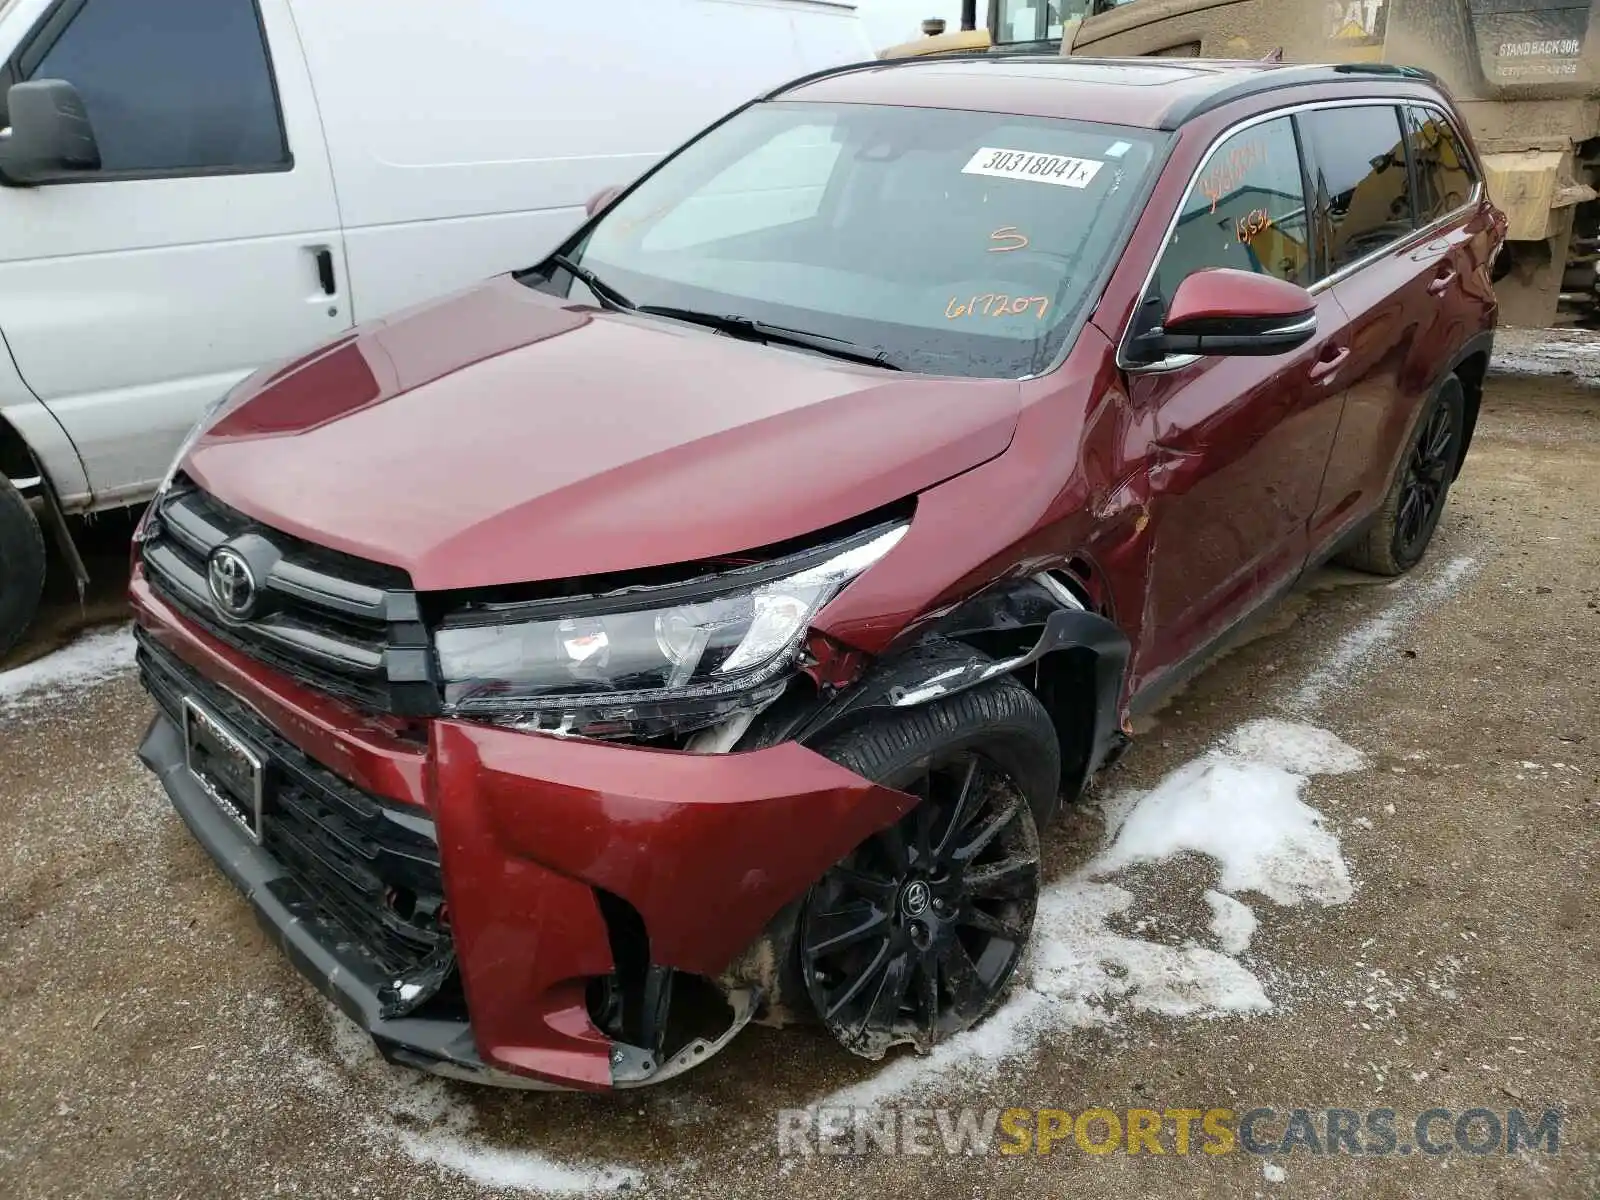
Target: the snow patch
pixel 1008 1033
pixel 1546 352
pixel 1246 814
pixel 1117 808
pixel 1273 1173
pixel 1239 804
pixel 1232 921
pixel 1081 959
pixel 89 660
pixel 516 1170
pixel 421 1117
pixel 1357 646
pixel 1291 747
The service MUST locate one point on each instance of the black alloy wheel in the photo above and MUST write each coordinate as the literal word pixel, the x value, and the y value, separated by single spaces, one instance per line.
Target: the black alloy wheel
pixel 1426 480
pixel 1403 527
pixel 915 936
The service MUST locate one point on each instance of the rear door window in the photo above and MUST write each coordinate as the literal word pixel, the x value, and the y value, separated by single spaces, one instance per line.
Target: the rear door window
pixel 172 86
pixel 1361 188
pixel 1445 176
pixel 1245 210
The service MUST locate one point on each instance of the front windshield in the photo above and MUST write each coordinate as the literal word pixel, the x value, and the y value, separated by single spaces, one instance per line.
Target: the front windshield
pixel 953 242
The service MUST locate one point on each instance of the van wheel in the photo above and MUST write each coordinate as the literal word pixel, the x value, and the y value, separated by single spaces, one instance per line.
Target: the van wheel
pixel 21 566
pixel 916 935
pixel 1400 534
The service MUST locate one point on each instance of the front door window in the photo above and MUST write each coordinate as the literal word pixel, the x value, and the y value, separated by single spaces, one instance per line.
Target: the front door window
pixel 1247 210
pixel 172 86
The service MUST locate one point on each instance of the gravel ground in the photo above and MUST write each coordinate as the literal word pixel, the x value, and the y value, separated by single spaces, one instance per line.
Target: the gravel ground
pixel 1438 741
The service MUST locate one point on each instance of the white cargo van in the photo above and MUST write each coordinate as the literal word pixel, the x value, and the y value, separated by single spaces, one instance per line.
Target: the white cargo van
pixel 195 188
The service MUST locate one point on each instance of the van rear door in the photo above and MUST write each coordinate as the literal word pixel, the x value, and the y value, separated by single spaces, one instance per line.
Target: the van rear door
pixel 207 244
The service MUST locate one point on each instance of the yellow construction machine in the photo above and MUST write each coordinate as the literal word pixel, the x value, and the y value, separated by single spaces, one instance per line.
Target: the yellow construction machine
pixel 1526 74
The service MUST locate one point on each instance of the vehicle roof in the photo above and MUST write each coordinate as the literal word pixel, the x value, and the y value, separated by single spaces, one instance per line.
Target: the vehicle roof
pixel 1151 93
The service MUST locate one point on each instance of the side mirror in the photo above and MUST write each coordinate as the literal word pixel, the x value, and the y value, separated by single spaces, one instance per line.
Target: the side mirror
pixel 1224 311
pixel 50 134
pixel 600 199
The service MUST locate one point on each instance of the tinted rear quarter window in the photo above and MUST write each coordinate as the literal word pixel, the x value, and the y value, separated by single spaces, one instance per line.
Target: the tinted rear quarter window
pixel 1361 186
pixel 1445 175
pixel 172 85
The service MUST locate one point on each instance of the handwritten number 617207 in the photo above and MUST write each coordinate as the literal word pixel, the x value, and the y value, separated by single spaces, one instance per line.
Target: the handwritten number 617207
pixel 993 304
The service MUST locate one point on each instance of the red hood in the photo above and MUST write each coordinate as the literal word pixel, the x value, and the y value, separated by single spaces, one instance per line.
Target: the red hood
pixel 500 436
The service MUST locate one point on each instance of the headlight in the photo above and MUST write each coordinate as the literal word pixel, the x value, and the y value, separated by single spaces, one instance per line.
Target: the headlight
pixel 686 655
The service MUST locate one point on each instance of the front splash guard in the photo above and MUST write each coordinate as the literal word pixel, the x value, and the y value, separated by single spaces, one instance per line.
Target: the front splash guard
pixel 631 1066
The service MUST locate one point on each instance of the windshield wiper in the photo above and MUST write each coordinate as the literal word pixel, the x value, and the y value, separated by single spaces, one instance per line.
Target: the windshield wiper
pixel 608 295
pixel 752 330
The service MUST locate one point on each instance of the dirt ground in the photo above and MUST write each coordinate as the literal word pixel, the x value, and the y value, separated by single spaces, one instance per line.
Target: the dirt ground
pixel 156 1045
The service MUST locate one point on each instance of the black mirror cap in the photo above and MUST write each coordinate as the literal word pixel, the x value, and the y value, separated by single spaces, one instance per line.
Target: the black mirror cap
pixel 50 134
pixel 1258 335
pixel 1224 310
pixel 1228 335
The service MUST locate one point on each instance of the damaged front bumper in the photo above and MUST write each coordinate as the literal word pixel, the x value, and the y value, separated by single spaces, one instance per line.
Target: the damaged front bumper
pixel 285 909
pixel 564 867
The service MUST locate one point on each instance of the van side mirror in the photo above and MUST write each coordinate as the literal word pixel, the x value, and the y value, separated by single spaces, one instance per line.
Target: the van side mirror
pixel 50 135
pixel 1225 311
pixel 601 199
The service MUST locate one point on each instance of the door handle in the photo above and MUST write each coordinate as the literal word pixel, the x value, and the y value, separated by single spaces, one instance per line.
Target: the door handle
pixel 325 275
pixel 1324 368
pixel 1441 283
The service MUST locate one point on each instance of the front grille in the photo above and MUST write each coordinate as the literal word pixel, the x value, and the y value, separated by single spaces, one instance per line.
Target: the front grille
pixel 367 871
pixel 338 623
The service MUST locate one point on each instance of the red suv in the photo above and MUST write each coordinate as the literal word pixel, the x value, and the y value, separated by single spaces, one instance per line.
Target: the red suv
pixel 700 626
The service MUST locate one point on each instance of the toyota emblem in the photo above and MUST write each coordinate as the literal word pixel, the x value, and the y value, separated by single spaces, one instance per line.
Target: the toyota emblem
pixel 232 584
pixel 915 898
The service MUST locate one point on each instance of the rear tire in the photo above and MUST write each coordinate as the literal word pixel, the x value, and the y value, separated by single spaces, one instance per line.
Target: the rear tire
pixel 916 935
pixel 21 566
pixel 1400 534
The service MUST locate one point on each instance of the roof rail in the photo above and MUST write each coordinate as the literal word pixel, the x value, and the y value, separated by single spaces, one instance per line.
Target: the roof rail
pixel 1265 78
pixel 1259 82
pixel 1373 68
pixel 1043 51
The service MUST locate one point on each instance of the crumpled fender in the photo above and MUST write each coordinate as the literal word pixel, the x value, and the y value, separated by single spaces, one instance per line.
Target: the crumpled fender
pixel 940 664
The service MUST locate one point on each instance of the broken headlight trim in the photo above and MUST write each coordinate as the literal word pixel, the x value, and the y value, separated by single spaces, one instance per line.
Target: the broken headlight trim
pixel 647 662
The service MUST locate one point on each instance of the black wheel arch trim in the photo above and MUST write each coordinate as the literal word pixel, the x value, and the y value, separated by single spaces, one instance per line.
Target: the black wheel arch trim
pixel 1480 343
pixel 947 660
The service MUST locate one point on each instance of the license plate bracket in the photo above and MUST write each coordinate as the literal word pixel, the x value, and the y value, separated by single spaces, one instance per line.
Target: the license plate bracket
pixel 231 773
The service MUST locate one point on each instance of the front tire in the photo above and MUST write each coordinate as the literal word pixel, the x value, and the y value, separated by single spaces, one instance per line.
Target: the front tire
pixel 916 935
pixel 1404 526
pixel 21 566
